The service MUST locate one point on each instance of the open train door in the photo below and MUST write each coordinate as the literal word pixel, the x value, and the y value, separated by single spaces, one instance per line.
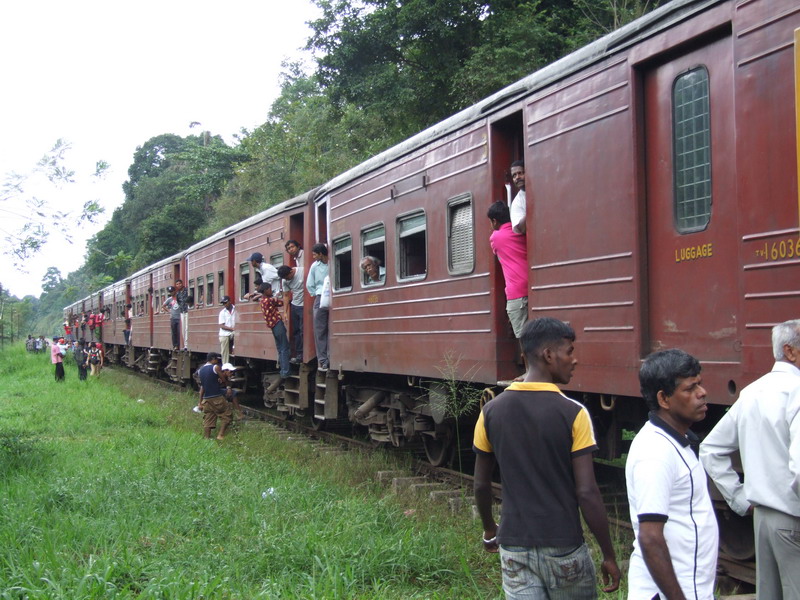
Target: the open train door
pixel 692 250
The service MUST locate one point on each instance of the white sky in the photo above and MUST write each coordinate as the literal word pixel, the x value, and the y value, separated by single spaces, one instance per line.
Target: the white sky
pixel 108 76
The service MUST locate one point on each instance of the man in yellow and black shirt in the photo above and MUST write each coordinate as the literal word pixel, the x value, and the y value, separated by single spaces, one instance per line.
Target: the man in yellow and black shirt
pixel 543 442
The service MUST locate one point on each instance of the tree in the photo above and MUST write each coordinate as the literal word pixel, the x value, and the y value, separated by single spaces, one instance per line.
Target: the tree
pixel 29 218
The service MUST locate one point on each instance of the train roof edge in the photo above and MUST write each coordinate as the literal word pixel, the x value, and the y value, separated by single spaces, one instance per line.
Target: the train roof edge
pixel 646 26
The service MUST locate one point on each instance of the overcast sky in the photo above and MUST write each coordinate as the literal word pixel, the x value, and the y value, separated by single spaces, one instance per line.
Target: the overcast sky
pixel 107 76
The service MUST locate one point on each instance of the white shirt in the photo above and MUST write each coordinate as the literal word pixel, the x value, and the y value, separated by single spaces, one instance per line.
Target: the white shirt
pixel 227 318
pixel 666 482
pixel 296 285
pixel 518 212
pixel 764 425
pixel 269 274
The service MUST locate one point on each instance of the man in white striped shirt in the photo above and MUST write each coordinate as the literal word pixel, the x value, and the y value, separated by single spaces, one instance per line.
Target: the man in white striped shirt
pixel 764 425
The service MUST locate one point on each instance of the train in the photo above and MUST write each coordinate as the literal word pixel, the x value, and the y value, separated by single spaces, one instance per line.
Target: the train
pixel 661 172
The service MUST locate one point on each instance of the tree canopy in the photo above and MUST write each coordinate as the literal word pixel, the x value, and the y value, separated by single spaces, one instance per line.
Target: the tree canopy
pixel 384 70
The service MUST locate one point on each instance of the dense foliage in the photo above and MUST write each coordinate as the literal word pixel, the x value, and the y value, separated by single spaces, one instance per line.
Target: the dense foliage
pixel 385 69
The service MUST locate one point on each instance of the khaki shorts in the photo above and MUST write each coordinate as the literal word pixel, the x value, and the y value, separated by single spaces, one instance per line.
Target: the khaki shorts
pixel 216 408
pixel 517 310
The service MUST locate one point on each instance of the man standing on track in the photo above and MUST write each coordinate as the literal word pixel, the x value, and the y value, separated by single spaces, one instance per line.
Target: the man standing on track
pixel 543 442
pixel 675 551
pixel 764 425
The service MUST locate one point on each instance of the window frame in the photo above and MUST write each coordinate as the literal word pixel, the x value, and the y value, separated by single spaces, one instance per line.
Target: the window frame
pixel 336 280
pixel 399 255
pixel 453 203
pixel 679 204
pixel 365 252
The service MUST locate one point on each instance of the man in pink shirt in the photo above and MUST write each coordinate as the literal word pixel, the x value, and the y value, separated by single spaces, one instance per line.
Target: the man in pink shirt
pixel 511 250
pixel 57 352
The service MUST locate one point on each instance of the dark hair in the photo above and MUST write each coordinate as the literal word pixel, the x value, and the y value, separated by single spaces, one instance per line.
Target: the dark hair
pixel 295 242
pixel 518 163
pixel 179 281
pixel 264 286
pixel 320 249
pixel 499 212
pixel 283 271
pixel 170 289
pixel 212 355
pixel 542 332
pixel 660 372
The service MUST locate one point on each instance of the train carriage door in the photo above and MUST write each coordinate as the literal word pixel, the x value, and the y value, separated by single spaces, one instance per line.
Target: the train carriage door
pixel 691 205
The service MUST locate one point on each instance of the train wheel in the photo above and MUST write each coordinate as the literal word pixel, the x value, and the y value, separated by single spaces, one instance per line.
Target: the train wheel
pixel 438 449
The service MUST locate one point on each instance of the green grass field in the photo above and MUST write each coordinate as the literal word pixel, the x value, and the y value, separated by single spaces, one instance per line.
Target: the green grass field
pixel 107 490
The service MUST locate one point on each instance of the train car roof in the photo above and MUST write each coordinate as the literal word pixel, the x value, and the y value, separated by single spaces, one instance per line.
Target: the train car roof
pixel 161 263
pixel 642 28
pixel 295 202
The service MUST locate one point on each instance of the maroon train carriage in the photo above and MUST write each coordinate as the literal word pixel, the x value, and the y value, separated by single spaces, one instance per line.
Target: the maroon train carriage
pixel 218 266
pixel 115 298
pixel 151 340
pixel 662 202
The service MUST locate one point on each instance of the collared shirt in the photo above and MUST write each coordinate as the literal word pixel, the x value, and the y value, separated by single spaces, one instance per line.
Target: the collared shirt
pixel 316 277
pixel 535 431
pixel 518 210
pixel 764 425
pixel 295 285
pixel 270 309
pixel 56 353
pixel 512 252
pixel 183 300
pixel 227 317
pixel 269 274
pixel 666 483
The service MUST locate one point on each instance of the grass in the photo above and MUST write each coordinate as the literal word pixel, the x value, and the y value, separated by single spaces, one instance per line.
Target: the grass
pixel 107 490
pixel 107 496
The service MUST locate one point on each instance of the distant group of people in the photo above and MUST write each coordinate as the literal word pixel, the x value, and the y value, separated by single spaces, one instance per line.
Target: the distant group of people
pixel 543 442
pixel 88 356
pixel 87 325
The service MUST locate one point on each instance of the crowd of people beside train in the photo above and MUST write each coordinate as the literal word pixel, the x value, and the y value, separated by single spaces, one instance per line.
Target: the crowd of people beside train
pixel 543 442
pixel 88 357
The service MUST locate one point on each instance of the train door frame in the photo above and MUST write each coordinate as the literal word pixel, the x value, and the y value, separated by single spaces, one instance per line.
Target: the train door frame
pixel 696 258
pixel 506 144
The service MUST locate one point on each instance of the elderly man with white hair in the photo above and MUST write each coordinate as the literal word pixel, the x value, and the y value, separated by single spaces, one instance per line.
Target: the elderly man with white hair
pixel 764 425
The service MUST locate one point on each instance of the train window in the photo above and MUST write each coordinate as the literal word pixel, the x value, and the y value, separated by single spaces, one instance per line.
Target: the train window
pixel 244 279
pixel 373 244
pixel 343 263
pixel 276 259
pixel 460 234
pixel 691 147
pixel 411 254
pixel 210 289
pixel 201 296
pixel 191 292
pixel 221 283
